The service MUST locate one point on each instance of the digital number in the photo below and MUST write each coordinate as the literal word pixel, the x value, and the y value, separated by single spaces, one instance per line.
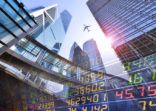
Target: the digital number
pixel 127 66
pixel 94 87
pixel 77 101
pixel 83 99
pixel 142 90
pixel 95 98
pixel 82 91
pixel 90 98
pixel 119 94
pixel 135 79
pixel 101 86
pixel 152 90
pixel 154 75
pixel 88 89
pixel 129 95
pixel 151 104
pixel 144 103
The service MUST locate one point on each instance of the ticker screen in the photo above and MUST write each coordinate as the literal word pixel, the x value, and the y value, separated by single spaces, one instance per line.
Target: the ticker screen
pixel 136 94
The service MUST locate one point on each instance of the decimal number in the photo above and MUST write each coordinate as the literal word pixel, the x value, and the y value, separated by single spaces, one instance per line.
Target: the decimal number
pixel 136 92
pixel 96 87
pixel 93 98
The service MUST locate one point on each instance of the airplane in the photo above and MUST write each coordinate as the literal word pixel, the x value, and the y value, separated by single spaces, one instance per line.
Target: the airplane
pixel 86 27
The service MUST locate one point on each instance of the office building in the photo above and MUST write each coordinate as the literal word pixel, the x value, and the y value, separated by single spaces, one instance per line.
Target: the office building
pixel 53 27
pixel 32 75
pixel 66 19
pixel 79 57
pixel 129 23
pixel 90 47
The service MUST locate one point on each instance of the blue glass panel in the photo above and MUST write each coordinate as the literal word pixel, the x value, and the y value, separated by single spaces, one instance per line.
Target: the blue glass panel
pixel 21 12
pixel 9 24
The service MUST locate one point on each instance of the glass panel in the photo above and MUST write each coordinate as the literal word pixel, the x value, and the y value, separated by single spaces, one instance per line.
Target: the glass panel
pixel 14 15
pixel 9 24
pixel 21 12
pixel 29 47
pixel 5 37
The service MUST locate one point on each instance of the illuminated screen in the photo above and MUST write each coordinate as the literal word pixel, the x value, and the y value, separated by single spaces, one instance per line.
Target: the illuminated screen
pixel 136 94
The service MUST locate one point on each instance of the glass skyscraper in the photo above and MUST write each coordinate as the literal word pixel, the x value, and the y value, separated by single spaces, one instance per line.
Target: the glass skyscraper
pixel 90 47
pixel 33 77
pixel 79 57
pixel 66 19
pixel 129 23
pixel 53 26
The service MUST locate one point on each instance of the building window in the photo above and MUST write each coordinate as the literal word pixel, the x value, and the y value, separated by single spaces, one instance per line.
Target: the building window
pixel 29 47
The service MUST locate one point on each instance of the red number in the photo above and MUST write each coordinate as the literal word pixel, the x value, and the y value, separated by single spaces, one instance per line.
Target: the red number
pixel 152 90
pixel 129 95
pixel 142 90
pixel 119 94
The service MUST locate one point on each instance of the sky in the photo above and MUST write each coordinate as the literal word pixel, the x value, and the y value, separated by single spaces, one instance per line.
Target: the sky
pixel 82 15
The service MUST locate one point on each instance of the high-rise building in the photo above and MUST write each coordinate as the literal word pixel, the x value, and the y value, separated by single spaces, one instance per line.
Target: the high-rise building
pixel 79 57
pixel 129 23
pixel 96 63
pixel 66 19
pixel 53 27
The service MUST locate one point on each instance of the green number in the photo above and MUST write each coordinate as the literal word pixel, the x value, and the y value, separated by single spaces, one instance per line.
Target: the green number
pixel 137 78
pixel 154 75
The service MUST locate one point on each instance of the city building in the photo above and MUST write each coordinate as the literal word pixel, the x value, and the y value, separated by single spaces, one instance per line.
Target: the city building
pixel 129 23
pixel 79 57
pixel 33 77
pixel 96 63
pixel 66 19
pixel 53 26
pixel 27 67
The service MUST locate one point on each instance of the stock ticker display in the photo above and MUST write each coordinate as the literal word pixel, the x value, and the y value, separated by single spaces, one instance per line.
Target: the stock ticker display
pixel 136 94
pixel 99 94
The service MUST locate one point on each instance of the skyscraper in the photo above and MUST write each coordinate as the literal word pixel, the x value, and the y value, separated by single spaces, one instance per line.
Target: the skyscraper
pixel 129 23
pixel 53 27
pixel 79 57
pixel 90 47
pixel 66 19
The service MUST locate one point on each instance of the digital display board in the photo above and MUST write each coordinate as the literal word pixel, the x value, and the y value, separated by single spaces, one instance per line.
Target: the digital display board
pixel 138 94
pixel 98 94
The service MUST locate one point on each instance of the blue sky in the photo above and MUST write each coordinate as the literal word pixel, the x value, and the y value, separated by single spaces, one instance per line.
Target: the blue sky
pixel 81 15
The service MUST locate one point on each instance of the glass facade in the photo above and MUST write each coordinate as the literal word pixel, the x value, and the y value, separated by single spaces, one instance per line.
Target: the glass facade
pixel 79 57
pixel 14 21
pixel 93 53
pixel 66 19
pixel 52 29
pixel 131 26
pixel 53 83
pixel 124 20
